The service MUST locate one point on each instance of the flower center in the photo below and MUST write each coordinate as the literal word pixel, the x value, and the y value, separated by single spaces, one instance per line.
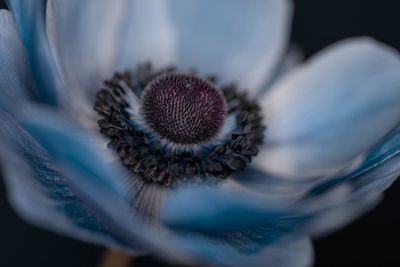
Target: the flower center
pixel 145 113
pixel 183 108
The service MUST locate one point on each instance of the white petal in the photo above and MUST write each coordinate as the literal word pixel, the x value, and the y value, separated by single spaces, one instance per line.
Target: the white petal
pixel 239 40
pixel 332 109
pixel 92 39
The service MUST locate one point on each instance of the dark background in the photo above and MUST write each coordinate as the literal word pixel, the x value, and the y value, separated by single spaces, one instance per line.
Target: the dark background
pixel 371 241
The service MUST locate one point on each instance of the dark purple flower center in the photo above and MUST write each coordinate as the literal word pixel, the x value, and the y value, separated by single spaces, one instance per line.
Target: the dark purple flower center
pixel 183 108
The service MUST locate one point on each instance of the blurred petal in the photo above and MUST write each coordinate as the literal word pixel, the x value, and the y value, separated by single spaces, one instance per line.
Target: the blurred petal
pixel 215 210
pixel 331 110
pixel 30 18
pixel 336 208
pixel 104 192
pixel 378 171
pixel 210 210
pixel 101 187
pixel 48 127
pixel 379 178
pixel 237 40
pixel 256 247
pixel 92 39
pixel 257 182
pixel 15 75
pixel 290 251
pixel 77 148
pixel 382 166
pixel 292 59
pixel 39 193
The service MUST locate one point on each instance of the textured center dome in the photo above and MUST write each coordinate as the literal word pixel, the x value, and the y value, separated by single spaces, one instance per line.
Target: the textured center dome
pixel 183 108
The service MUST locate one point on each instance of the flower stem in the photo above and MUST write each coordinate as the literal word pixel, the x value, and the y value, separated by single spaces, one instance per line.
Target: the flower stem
pixel 115 259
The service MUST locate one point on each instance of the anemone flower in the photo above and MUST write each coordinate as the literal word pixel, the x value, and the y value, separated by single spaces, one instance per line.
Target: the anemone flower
pixel 185 129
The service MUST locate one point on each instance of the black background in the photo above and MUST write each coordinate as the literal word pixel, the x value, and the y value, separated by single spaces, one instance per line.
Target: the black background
pixel 371 241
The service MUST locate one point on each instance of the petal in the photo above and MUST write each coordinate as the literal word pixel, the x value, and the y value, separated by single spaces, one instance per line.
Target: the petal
pixel 15 75
pixel 49 126
pixel 233 249
pixel 91 40
pixel 290 251
pixel 104 192
pixel 257 182
pixel 239 41
pixel 339 213
pixel 378 171
pixel 30 19
pixel 101 187
pixel 331 110
pixel 382 166
pixel 215 210
pixel 209 210
pixel 263 246
pixel 292 59
pixel 38 191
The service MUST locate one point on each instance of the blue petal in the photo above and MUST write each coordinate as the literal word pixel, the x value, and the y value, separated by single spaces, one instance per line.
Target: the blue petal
pixel 344 205
pixel 94 38
pixel 270 187
pixel 380 168
pixel 30 18
pixel 48 129
pixel 38 191
pixel 259 246
pixel 291 251
pixel 215 210
pixel 210 210
pixel 101 187
pixel 330 111
pixel 238 40
pixel 16 79
pixel 293 58
pixel 264 245
pixel 104 192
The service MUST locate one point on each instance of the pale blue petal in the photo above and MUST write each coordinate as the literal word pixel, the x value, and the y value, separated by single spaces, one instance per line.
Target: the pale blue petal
pixel 30 18
pixel 290 251
pixel 271 188
pixel 331 110
pixel 292 59
pixel 262 246
pixel 210 210
pixel 238 40
pixel 48 127
pixel 16 79
pixel 215 210
pixel 101 187
pixel 92 39
pixel 38 191
pixel 388 148
pixel 382 169
pixel 378 171
pixel 339 210
pixel 379 178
